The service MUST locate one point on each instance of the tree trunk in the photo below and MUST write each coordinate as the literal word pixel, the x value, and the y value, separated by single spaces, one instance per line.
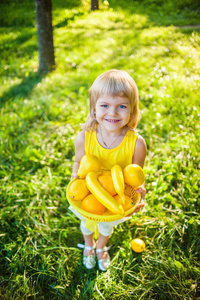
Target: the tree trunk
pixel 94 4
pixel 45 35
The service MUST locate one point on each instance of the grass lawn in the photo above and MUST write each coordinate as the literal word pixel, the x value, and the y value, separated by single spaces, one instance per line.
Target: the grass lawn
pixel 39 118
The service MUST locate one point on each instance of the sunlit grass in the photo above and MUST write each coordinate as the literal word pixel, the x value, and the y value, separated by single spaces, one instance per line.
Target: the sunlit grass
pixel 39 118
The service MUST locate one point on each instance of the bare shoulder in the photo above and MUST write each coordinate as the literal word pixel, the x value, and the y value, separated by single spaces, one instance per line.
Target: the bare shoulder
pixel 80 139
pixel 140 151
pixel 140 143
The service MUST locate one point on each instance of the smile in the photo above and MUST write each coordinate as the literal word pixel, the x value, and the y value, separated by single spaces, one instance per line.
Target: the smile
pixel 112 121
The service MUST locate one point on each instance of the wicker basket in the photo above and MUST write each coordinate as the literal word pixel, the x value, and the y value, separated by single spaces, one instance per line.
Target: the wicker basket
pixel 106 216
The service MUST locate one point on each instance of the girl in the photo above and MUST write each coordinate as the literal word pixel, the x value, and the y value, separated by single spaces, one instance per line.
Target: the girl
pixel 109 133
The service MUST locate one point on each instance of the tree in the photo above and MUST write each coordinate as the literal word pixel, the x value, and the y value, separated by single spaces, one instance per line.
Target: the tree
pixel 45 35
pixel 94 4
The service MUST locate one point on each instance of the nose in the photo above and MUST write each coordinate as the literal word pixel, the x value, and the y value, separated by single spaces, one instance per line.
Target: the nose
pixel 113 111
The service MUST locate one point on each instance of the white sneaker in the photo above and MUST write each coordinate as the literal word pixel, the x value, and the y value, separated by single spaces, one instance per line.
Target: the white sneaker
pixel 88 261
pixel 103 264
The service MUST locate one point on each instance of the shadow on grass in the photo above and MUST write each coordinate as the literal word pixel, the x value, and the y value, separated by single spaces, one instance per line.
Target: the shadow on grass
pixel 160 13
pixel 83 284
pixel 22 89
pixel 65 22
pixel 25 11
pixel 68 4
pixel 15 44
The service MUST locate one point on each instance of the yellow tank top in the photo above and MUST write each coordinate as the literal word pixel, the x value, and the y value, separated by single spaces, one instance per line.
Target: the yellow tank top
pixel 121 155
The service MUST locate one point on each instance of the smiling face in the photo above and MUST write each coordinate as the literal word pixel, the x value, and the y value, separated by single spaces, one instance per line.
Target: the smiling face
pixel 113 85
pixel 112 112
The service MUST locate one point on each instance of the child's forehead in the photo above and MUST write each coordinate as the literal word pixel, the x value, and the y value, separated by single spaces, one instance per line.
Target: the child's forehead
pixel 116 97
pixel 114 94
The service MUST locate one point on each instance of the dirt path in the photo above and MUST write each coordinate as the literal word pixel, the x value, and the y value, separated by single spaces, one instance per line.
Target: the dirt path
pixel 197 26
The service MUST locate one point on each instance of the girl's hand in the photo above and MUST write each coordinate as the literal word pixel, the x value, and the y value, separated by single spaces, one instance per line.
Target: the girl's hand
pixel 141 204
pixel 74 174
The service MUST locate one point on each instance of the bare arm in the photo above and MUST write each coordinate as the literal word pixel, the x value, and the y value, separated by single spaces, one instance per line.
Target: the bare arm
pixel 140 152
pixel 79 152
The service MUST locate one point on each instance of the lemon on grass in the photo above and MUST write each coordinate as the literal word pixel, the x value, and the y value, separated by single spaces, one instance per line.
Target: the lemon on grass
pixel 138 245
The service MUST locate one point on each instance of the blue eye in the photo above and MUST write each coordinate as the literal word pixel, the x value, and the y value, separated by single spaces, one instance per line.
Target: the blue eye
pixel 104 105
pixel 122 106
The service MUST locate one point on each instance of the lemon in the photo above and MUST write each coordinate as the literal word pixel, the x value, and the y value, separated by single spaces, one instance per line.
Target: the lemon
pixel 138 245
pixel 78 189
pixel 92 205
pixel 133 175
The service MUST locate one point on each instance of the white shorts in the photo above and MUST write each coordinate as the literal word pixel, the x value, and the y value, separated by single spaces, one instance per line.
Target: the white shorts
pixel 105 228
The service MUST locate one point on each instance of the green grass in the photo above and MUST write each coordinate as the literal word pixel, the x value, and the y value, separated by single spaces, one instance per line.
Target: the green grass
pixel 39 118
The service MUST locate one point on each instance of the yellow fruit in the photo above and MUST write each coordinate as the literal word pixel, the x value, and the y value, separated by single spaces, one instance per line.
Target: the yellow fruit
pixel 78 189
pixel 128 202
pixel 133 175
pixel 88 164
pixel 118 181
pixel 127 190
pixel 102 195
pixel 138 245
pixel 105 172
pixel 92 205
pixel 107 183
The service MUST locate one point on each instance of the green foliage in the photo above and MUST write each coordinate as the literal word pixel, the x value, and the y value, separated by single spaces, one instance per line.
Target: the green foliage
pixel 177 4
pixel 162 12
pixel 39 118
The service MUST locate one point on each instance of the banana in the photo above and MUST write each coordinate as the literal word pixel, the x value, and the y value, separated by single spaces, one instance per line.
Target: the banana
pixel 118 181
pixel 102 195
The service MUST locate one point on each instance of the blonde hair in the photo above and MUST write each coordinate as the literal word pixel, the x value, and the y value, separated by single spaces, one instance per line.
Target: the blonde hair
pixel 115 83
